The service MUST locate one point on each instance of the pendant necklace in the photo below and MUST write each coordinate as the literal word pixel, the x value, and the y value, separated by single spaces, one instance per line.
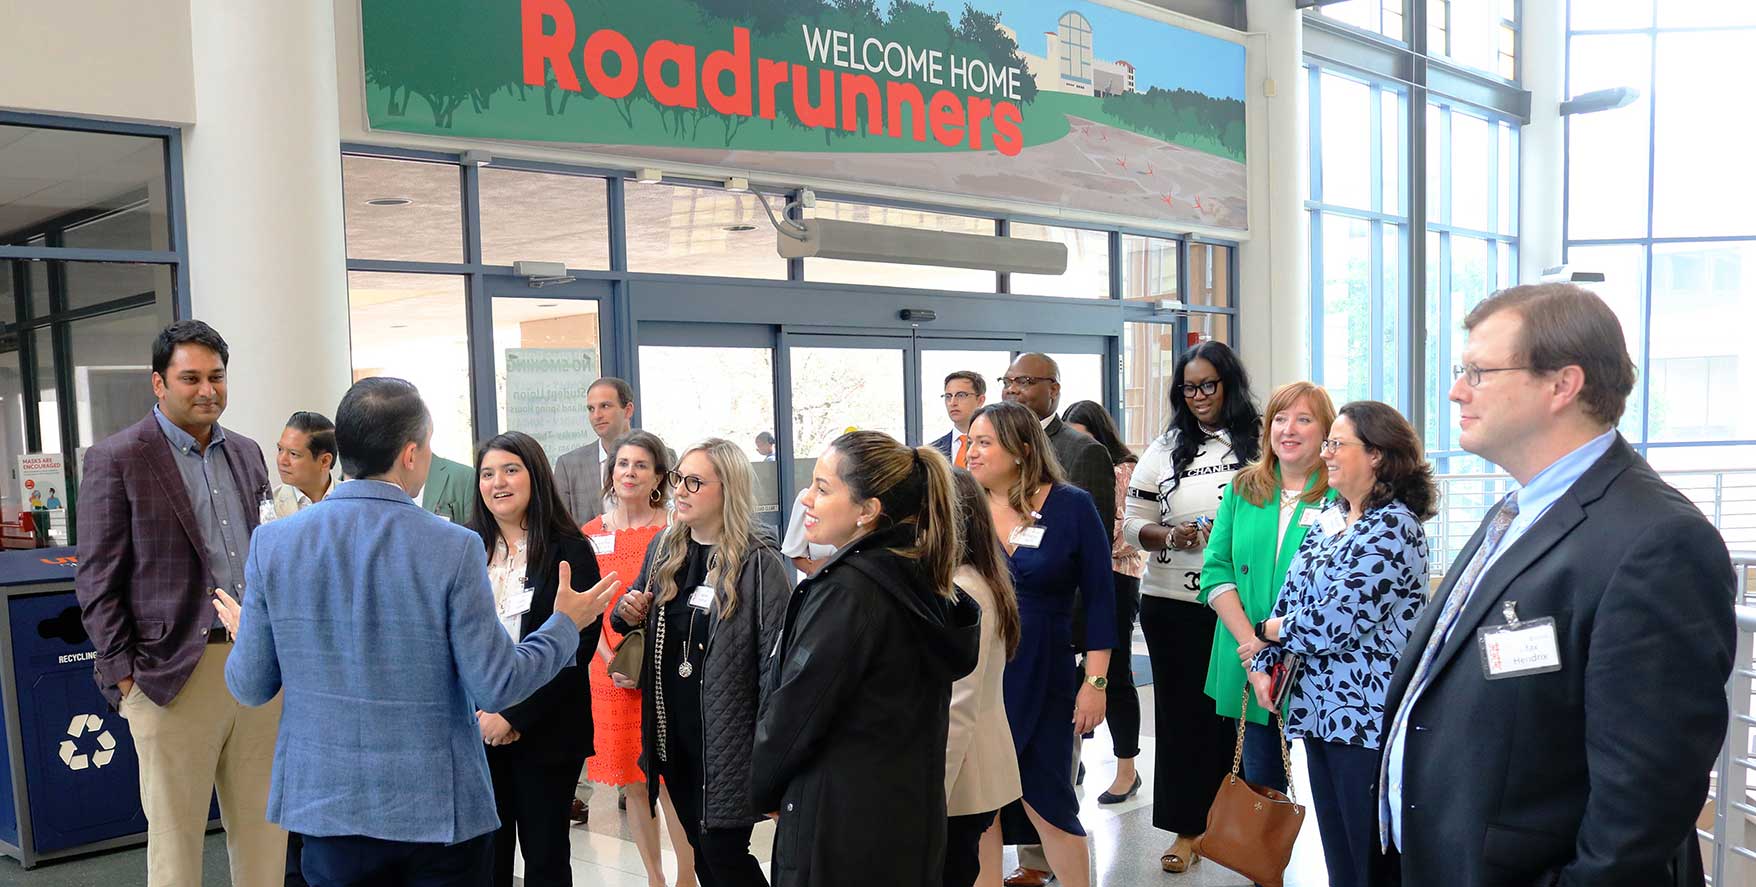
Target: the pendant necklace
pixel 687 668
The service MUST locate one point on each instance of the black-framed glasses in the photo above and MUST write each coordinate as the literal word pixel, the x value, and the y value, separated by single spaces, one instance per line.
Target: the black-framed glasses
pixel 1206 389
pixel 1472 374
pixel 692 483
pixel 1333 444
pixel 1024 381
pixel 959 396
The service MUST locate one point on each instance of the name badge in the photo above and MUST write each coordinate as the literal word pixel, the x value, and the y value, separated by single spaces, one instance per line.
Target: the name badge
pixel 517 603
pixel 1331 522
pixel 702 597
pixel 265 511
pixel 1310 517
pixel 605 544
pixel 1520 647
pixel 1027 537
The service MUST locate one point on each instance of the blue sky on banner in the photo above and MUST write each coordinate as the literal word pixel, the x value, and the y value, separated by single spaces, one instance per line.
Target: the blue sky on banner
pixel 1164 55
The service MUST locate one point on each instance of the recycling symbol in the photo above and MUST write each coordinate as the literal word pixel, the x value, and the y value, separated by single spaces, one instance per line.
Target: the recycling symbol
pixel 84 725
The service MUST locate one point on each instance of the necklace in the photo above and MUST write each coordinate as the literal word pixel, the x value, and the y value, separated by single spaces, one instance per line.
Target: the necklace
pixel 1289 498
pixel 687 668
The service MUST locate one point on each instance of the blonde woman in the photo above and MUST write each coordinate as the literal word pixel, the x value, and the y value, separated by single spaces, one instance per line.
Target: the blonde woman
pixel 1263 518
pixel 711 597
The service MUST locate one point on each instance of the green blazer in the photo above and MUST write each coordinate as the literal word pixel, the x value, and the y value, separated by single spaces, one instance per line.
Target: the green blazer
pixel 1241 551
pixel 450 491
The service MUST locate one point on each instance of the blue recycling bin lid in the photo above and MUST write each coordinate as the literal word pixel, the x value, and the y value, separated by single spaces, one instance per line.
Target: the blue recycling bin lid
pixel 36 566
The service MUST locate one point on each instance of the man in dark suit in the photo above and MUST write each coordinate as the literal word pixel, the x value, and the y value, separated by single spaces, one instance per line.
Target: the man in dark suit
pixel 1555 713
pixel 579 473
pixel 1034 380
pixel 965 392
pixel 166 509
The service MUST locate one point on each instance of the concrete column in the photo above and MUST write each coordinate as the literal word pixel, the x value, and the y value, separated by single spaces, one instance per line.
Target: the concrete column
pixel 1542 141
pixel 262 169
pixel 1274 291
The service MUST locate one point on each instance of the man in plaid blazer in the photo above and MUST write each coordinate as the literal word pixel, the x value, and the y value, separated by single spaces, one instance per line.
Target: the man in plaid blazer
pixel 166 508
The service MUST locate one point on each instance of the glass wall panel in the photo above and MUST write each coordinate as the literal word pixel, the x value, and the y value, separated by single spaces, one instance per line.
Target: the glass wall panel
pixel 837 389
pixel 1149 359
pixel 1081 378
pixel 1697 144
pixel 402 209
pixel 543 217
pixel 1607 151
pixel 1347 148
pixel 546 354
pixel 674 229
pixel 1702 367
pixel 1088 263
pixel 95 190
pixel 1210 275
pixel 936 364
pixel 112 371
pixel 1347 308
pixel 415 327
pixel 691 393
pixel 1149 268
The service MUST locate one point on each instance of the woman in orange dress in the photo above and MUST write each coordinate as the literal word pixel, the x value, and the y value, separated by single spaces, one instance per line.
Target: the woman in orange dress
pixel 635 489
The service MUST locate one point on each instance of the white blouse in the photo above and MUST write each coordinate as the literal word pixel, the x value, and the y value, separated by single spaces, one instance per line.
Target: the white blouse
pixel 506 576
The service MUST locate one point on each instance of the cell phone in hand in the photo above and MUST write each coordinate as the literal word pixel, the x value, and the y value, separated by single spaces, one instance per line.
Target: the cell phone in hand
pixel 1282 675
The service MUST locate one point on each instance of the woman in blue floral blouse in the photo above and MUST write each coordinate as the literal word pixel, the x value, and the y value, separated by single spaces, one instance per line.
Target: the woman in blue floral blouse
pixel 1352 594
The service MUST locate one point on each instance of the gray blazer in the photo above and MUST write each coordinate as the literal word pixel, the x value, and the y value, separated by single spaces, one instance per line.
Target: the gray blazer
pixel 579 476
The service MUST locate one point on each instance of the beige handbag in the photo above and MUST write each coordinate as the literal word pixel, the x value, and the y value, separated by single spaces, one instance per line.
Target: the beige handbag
pixel 630 655
pixel 1251 829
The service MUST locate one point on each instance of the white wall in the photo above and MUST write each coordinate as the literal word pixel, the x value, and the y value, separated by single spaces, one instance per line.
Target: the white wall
pixel 1274 266
pixel 120 59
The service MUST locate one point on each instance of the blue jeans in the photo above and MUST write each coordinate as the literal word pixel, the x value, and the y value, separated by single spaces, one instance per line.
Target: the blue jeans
pixel 1263 764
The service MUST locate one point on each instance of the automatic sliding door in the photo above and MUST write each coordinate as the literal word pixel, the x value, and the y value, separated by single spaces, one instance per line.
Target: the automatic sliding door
pixel 840 383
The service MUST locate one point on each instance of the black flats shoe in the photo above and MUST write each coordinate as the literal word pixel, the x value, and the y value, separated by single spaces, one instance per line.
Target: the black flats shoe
pixel 1111 798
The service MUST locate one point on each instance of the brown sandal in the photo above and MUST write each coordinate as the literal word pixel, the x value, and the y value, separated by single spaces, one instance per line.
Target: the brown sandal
pixel 1178 863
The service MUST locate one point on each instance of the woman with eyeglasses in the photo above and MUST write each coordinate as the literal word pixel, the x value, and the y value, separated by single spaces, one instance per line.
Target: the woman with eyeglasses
pixel 1127 563
pixel 1055 543
pixel 711 596
pixel 850 746
pixel 1173 497
pixel 537 747
pixel 1263 517
pixel 1351 598
pixel 635 486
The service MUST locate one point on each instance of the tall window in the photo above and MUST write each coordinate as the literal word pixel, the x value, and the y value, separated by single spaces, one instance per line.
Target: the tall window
pixel 1655 203
pixel 1074 32
pixel 1359 226
pixel 91 268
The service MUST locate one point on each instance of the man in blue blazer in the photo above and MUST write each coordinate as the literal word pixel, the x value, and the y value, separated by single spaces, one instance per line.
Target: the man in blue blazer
pixel 377 620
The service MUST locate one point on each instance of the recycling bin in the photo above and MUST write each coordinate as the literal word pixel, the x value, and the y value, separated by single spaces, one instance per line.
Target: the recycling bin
pixel 69 780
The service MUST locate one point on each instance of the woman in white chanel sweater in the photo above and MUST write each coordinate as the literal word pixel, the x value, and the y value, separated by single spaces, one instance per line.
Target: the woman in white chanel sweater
pixel 1214 432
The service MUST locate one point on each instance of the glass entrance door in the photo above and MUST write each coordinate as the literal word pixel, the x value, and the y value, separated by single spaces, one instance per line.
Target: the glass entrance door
pixel 844 382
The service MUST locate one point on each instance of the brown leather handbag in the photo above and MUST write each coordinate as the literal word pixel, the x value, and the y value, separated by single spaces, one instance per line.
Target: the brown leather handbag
pixel 1251 829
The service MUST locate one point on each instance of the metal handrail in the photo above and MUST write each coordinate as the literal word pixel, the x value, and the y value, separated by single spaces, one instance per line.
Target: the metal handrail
pixel 1732 776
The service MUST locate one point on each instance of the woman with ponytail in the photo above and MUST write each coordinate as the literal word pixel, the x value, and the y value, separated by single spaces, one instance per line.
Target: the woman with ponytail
pixel 850 744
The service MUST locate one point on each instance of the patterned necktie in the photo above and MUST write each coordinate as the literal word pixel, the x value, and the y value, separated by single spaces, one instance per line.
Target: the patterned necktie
pixel 1441 630
pixel 962 450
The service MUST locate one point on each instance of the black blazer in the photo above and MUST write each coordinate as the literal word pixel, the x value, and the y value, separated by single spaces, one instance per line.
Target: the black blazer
pixel 1087 466
pixel 1594 774
pixel 555 722
pixel 943 444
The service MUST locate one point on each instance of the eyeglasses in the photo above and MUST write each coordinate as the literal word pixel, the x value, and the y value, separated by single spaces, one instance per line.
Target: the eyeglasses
pixel 692 483
pixel 958 396
pixel 1472 374
pixel 1332 444
pixel 1024 381
pixel 1206 389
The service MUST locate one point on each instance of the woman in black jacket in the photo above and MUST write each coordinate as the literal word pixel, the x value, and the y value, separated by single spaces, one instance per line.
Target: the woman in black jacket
pixel 850 748
pixel 535 748
pixel 710 598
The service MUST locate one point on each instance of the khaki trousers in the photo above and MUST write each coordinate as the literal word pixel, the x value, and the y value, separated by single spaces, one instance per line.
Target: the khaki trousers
pixel 202 741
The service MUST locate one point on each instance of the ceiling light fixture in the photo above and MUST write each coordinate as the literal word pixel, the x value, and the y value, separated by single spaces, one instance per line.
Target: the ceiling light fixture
pixel 389 201
pixel 399 326
pixel 547 304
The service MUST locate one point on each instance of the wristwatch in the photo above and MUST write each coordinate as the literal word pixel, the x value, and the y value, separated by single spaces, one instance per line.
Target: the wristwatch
pixel 1098 682
pixel 1260 635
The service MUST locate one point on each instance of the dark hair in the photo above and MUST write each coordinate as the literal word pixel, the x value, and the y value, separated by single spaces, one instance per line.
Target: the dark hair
pixel 318 429
pixel 661 464
pixel 1101 427
pixel 1568 325
pixel 377 418
pixel 973 378
pixel 1238 415
pixel 912 486
pixel 624 394
pixel 186 332
pixel 982 553
pixel 1403 473
pixel 1018 432
pixel 763 437
pixel 546 520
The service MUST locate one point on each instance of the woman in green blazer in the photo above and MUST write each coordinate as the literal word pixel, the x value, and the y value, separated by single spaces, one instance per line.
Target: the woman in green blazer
pixel 1263 517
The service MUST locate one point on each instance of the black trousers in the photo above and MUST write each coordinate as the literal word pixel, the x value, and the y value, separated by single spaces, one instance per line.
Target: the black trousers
pixel 352 861
pixel 722 855
pixel 963 843
pixel 533 799
pixel 1194 743
pixel 295 845
pixel 1123 700
pixel 1344 784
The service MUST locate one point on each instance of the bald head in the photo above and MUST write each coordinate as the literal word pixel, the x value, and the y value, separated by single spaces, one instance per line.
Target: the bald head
pixel 1034 381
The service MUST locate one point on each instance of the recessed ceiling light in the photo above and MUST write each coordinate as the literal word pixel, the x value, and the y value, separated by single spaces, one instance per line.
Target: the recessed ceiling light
pixel 739 228
pixel 547 304
pixel 399 326
pixel 389 201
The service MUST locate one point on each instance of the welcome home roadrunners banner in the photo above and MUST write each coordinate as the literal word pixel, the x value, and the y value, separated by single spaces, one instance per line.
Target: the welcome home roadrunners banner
pixel 1065 103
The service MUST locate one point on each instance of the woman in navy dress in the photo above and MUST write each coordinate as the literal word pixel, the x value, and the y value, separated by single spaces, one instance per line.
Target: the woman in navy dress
pixel 1055 544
